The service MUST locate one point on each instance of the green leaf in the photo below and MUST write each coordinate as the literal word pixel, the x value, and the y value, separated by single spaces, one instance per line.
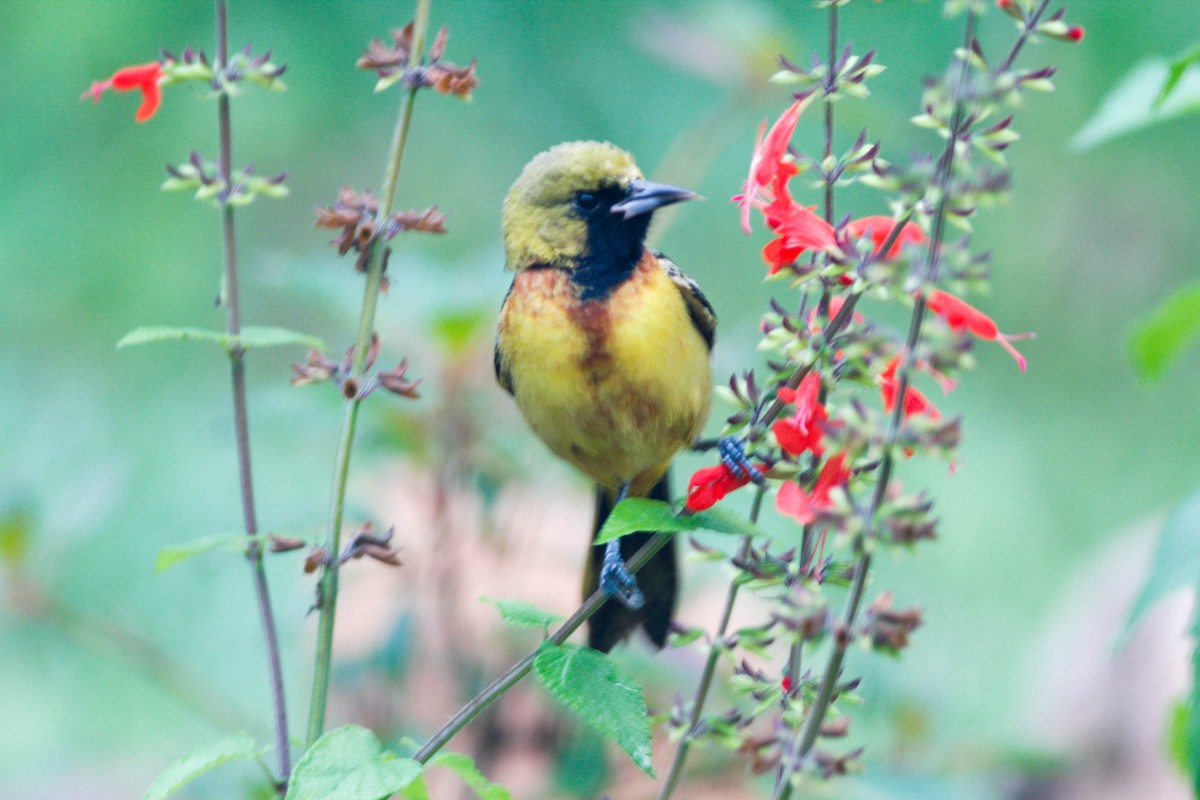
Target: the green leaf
pixel 1175 71
pixel 251 336
pixel 349 763
pixel 1159 338
pixel 167 334
pixel 265 336
pixel 1178 716
pixel 1192 727
pixel 1175 565
pixel 1131 104
pixel 417 790
pixel 465 767
pixel 232 748
pixel 588 683
pixel 523 614
pixel 16 532
pixel 640 514
pixel 170 556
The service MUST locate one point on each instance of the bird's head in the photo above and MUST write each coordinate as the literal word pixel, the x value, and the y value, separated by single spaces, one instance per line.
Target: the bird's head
pixel 580 201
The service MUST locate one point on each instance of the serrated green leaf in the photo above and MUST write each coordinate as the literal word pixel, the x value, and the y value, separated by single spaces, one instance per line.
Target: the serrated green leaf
pixel 170 556
pixel 232 748
pixel 589 683
pixel 464 767
pixel 349 763
pixel 1130 105
pixel 170 334
pixel 1159 338
pixel 636 514
pixel 1175 564
pixel 523 614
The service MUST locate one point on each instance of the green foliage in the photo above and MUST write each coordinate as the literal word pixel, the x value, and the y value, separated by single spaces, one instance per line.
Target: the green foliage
pixel 1152 92
pixel 523 614
pixel 349 763
pixel 15 534
pixel 1159 338
pixel 640 514
pixel 589 683
pixel 236 542
pixel 1175 72
pixel 239 746
pixel 1176 562
pixel 251 336
pixel 464 767
pixel 1191 742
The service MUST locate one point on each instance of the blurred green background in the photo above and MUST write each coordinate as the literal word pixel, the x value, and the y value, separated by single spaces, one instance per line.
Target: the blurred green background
pixel 109 456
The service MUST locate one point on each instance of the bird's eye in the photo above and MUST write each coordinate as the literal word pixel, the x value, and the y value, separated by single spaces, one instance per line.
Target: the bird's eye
pixel 586 202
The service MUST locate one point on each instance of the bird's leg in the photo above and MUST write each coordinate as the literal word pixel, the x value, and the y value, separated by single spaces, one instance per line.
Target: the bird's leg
pixel 733 456
pixel 615 578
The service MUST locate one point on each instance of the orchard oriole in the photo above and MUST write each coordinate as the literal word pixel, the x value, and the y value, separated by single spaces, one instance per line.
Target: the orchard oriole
pixel 605 345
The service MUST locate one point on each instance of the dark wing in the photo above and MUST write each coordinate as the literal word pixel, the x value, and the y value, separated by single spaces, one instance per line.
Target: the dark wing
pixel 503 376
pixel 699 309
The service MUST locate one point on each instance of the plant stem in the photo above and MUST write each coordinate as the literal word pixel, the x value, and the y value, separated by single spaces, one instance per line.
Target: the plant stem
pixel 328 588
pixel 237 361
pixel 710 664
pixel 864 543
pixel 1028 28
pixel 509 677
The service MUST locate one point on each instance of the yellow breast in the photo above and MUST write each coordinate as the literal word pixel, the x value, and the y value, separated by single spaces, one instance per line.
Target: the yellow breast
pixel 617 385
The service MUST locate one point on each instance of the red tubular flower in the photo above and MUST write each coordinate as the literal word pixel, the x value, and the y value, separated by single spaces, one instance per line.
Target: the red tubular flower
pixel 803 430
pixel 963 317
pixel 792 501
pixel 768 159
pixel 879 228
pixel 914 401
pixel 710 484
pixel 1075 33
pixel 143 77
pixel 799 229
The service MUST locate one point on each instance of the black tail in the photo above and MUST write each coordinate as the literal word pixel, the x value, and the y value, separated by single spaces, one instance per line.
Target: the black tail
pixel 658 580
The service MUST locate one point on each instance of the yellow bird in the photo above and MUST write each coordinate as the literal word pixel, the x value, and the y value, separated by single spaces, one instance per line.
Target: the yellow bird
pixel 605 345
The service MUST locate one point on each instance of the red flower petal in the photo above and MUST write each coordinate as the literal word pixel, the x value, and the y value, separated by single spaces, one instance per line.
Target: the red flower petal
pixel 914 401
pixel 879 228
pixel 768 158
pixel 792 501
pixel 802 431
pixel 143 77
pixel 708 485
pixel 963 317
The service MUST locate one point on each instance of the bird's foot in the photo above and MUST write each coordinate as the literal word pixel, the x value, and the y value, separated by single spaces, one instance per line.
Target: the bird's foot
pixel 733 456
pixel 617 581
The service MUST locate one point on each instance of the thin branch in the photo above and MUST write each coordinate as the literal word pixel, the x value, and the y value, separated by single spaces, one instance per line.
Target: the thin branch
pixel 240 416
pixel 328 588
pixel 509 677
pixel 710 664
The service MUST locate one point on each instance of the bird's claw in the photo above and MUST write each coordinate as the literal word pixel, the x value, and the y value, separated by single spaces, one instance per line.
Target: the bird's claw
pixel 733 456
pixel 617 581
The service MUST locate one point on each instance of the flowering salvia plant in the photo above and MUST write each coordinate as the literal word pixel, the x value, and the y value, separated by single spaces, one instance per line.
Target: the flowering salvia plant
pixel 819 435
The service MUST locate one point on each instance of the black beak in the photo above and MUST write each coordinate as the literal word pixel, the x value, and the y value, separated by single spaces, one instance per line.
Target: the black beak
pixel 645 196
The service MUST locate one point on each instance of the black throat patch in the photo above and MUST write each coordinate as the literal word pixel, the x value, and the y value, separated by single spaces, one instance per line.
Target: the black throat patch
pixel 614 247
